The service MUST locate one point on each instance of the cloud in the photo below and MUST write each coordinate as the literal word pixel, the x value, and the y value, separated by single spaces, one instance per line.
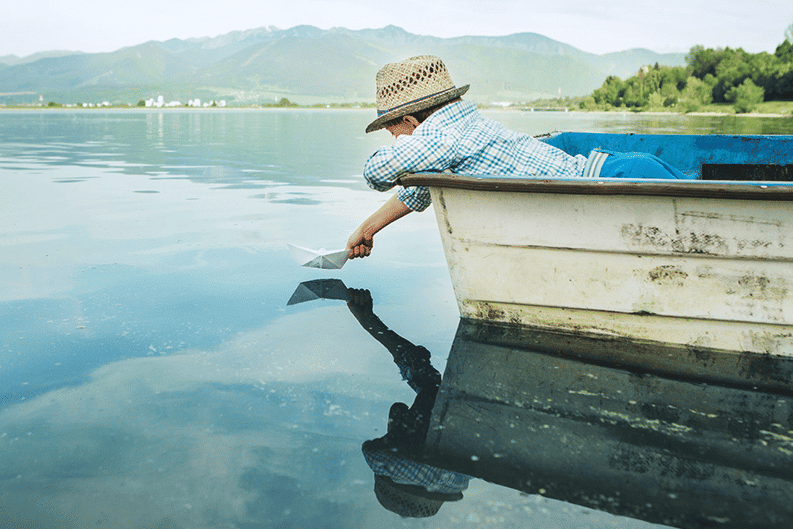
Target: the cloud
pixel 264 427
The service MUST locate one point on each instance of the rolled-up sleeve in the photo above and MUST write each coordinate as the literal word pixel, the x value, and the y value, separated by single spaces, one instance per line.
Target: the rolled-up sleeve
pixel 410 154
pixel 415 198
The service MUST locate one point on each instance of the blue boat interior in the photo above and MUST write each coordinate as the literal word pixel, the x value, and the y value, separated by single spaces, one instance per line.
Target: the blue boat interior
pixel 708 157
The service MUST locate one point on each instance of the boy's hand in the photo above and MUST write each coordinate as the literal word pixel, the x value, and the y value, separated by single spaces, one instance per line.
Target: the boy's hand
pixel 359 300
pixel 359 245
pixel 361 241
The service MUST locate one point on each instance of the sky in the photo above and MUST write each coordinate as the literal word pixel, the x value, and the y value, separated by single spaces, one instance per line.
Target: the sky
pixel 595 27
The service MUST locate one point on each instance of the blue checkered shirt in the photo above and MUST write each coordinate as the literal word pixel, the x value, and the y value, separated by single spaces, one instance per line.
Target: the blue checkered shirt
pixel 459 139
pixel 409 472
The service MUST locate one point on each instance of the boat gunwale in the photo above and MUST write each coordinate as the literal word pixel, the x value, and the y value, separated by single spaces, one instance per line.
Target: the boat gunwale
pixel 737 190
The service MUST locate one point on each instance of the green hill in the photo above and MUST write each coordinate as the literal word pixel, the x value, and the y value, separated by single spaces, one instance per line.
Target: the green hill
pixel 307 65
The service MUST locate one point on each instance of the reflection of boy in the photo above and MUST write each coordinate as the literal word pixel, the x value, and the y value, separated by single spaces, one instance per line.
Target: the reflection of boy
pixel 435 130
pixel 403 484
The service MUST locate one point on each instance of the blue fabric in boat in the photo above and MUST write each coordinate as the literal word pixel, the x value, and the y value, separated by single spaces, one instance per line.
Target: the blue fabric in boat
pixel 685 152
pixel 640 165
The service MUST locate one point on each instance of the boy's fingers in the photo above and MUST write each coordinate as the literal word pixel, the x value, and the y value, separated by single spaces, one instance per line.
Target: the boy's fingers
pixel 360 250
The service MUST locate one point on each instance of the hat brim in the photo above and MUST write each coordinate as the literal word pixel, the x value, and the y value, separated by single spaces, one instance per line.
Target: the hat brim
pixel 416 106
pixel 416 491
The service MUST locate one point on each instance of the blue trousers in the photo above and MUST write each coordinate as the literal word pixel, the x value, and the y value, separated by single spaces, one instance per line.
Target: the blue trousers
pixel 639 165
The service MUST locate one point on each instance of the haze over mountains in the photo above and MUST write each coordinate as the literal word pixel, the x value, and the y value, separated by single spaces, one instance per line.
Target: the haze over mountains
pixel 309 65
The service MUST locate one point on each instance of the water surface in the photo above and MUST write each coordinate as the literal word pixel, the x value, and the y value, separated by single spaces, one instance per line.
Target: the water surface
pixel 152 373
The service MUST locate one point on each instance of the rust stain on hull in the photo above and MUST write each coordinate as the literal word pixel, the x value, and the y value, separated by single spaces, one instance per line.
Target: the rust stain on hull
pixel 640 236
pixel 761 287
pixel 668 274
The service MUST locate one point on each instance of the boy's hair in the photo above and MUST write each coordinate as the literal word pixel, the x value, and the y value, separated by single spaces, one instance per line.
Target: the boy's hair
pixel 421 115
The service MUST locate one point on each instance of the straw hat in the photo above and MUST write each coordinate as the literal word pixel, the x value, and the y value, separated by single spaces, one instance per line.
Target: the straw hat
pixel 410 86
pixel 410 500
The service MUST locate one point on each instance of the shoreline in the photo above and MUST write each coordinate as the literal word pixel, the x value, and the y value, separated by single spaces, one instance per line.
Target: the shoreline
pixel 646 112
pixel 363 108
pixel 698 114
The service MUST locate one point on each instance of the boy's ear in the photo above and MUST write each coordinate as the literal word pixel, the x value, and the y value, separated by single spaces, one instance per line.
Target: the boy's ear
pixel 411 120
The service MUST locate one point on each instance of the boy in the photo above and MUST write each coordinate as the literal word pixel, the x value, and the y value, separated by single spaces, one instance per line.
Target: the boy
pixel 435 130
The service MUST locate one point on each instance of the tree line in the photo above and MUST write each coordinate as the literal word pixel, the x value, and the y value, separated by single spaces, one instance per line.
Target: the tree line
pixel 710 76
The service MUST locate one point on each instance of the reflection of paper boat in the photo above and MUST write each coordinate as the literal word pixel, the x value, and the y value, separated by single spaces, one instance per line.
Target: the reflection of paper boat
pixel 319 289
pixel 319 258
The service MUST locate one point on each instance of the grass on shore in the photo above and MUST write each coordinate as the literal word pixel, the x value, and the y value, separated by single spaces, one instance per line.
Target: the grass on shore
pixel 774 108
pixel 781 108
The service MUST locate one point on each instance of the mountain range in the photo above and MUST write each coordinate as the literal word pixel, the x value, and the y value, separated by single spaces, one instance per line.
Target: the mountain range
pixel 308 65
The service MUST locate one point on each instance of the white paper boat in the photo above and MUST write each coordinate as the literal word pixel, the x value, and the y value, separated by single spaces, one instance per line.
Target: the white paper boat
pixel 321 258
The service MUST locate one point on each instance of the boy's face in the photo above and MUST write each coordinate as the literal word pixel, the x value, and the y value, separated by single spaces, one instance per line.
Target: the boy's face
pixel 405 126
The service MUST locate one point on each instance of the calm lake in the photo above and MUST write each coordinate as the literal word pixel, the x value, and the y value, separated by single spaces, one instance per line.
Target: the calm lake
pixel 153 373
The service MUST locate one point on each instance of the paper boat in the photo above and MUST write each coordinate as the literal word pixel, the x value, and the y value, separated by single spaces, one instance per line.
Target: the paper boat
pixel 319 289
pixel 319 258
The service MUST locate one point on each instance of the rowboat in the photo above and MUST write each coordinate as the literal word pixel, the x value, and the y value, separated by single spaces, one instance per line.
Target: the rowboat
pixel 705 263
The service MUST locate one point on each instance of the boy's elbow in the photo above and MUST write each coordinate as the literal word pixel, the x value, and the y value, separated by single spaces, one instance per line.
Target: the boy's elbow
pixel 378 181
pixel 379 185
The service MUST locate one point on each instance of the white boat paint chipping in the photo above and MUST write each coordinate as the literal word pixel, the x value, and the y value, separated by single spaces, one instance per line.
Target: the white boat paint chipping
pixel 706 272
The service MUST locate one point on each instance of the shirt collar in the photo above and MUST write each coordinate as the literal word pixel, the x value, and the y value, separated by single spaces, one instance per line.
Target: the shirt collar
pixel 448 115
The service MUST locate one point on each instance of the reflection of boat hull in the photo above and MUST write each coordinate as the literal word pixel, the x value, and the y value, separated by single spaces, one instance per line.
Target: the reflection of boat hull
pixel 697 263
pixel 680 453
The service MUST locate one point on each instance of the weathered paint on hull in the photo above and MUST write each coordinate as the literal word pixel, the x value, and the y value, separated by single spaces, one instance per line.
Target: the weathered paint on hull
pixel 705 272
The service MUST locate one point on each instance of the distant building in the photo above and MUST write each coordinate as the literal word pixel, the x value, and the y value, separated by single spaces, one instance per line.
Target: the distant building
pixel 196 103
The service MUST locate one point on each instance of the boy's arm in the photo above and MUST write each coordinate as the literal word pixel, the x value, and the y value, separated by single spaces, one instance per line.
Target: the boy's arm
pixel 361 241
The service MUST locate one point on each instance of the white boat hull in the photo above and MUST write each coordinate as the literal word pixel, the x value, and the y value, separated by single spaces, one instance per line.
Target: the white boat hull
pixel 707 272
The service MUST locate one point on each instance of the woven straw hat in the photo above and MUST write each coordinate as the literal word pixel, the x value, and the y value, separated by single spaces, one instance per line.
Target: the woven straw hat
pixel 410 500
pixel 410 86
